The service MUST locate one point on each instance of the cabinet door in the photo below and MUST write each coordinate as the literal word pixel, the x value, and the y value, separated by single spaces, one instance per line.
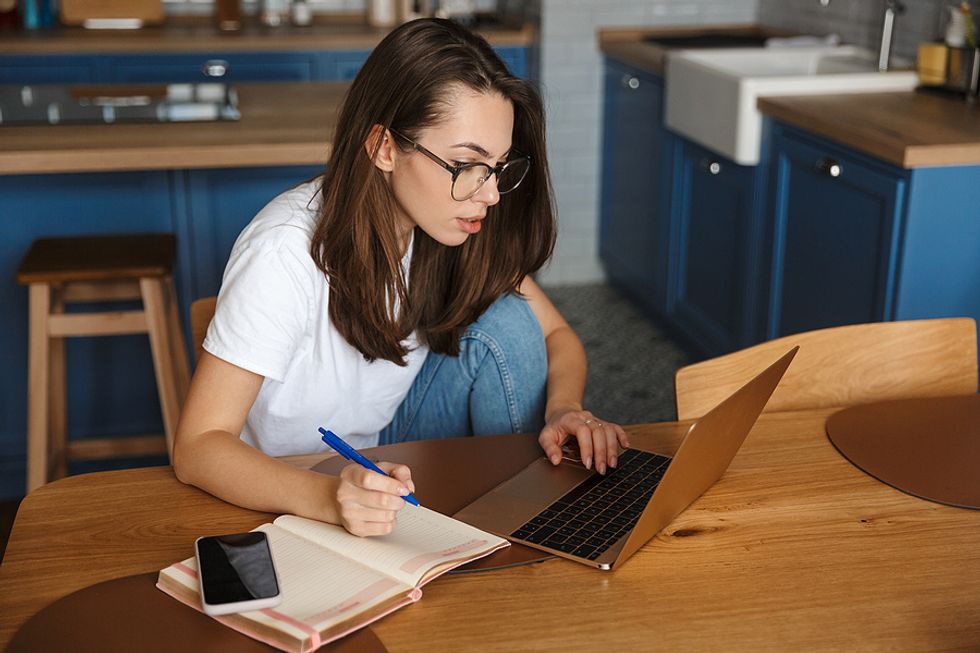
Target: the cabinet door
pixel 633 229
pixel 218 67
pixel 221 203
pixel 712 236
pixel 48 69
pixel 835 233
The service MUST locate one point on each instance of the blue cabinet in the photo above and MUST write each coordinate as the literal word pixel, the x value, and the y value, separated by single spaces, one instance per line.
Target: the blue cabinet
pixel 634 227
pixel 49 69
pixel 215 66
pixel 291 66
pixel 712 253
pixel 836 228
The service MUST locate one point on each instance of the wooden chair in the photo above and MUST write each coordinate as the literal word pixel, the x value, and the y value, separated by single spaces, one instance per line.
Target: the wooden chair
pixel 845 365
pixel 202 310
pixel 89 269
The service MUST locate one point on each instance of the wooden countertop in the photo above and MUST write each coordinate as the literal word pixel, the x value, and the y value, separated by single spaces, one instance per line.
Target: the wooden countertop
pixel 281 124
pixel 910 130
pixel 626 44
pixel 200 35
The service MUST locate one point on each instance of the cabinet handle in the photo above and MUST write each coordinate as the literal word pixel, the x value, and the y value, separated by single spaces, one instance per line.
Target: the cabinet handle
pixel 830 167
pixel 215 68
pixel 712 166
pixel 631 82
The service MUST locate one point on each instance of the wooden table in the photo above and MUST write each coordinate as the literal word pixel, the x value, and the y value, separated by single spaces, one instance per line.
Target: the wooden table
pixel 794 549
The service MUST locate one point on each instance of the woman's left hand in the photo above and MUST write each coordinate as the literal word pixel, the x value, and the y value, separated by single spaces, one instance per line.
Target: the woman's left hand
pixel 597 439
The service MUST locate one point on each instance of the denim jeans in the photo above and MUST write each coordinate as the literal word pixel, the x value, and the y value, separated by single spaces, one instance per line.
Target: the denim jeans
pixel 496 384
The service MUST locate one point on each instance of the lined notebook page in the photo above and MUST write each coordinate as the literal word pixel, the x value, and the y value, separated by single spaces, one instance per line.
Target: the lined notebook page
pixel 422 539
pixel 319 586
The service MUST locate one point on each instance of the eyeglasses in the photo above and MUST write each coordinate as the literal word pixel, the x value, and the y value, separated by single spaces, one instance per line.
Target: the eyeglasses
pixel 468 178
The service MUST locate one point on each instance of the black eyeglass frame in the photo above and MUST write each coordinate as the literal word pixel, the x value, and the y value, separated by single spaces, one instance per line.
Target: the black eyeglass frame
pixel 456 171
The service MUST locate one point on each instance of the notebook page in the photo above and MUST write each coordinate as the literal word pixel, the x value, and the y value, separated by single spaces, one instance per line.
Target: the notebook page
pixel 422 539
pixel 320 587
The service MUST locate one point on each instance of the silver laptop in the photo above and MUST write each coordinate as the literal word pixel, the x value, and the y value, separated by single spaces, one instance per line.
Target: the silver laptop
pixel 600 521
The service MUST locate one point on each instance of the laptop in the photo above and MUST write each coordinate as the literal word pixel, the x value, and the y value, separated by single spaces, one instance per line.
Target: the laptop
pixel 579 514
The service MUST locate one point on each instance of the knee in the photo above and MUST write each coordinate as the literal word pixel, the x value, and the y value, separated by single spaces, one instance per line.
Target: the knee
pixel 508 333
pixel 509 323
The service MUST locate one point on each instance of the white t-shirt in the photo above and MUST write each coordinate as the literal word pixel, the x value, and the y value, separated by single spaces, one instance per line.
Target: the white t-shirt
pixel 272 319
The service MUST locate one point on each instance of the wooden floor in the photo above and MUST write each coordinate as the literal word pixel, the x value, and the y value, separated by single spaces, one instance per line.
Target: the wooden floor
pixel 7 511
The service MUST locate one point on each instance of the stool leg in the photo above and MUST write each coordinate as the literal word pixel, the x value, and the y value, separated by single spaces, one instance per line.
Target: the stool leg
pixel 156 322
pixel 38 386
pixel 58 425
pixel 182 368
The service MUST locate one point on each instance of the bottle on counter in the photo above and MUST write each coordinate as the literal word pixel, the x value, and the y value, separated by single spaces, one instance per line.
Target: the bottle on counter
pixel 9 16
pixel 301 13
pixel 382 13
pixel 274 12
pixel 228 14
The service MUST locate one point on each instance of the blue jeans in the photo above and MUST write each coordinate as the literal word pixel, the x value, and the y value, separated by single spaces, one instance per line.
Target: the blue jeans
pixel 496 384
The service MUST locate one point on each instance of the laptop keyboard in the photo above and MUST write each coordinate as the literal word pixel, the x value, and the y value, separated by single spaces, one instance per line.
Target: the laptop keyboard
pixel 596 513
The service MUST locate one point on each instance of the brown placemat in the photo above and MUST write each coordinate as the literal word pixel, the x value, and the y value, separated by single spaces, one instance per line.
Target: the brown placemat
pixel 929 448
pixel 131 614
pixel 450 474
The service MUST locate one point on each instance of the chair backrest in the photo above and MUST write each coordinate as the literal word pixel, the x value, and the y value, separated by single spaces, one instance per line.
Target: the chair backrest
pixel 202 310
pixel 846 365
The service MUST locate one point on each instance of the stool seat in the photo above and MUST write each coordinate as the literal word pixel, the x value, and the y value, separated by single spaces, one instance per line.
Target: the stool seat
pixel 97 258
pixel 78 269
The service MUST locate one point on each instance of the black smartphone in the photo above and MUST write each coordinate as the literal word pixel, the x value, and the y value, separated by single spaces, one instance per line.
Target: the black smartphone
pixel 236 573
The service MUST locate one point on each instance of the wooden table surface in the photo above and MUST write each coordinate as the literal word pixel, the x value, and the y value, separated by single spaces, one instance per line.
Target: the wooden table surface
pixel 281 124
pixel 794 549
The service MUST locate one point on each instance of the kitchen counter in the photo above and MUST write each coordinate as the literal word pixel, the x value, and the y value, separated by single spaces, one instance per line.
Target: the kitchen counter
pixel 281 124
pixel 626 44
pixel 909 130
pixel 200 35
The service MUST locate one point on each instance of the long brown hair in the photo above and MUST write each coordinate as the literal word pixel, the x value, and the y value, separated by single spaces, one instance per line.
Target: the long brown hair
pixel 405 85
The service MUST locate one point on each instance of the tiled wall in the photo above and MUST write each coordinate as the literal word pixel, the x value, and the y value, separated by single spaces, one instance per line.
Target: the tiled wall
pixel 571 76
pixel 859 21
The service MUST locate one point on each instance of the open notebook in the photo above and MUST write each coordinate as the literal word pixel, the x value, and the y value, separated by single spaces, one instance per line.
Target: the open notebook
pixel 333 582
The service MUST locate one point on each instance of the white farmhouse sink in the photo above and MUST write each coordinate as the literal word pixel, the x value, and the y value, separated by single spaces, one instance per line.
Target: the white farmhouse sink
pixel 711 94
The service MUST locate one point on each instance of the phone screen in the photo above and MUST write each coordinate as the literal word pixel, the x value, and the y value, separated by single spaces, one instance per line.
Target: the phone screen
pixel 236 568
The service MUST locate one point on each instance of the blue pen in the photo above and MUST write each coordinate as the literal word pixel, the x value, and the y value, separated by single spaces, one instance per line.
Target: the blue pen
pixel 350 453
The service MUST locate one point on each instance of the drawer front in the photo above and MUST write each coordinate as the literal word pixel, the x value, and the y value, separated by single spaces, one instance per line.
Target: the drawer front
pixel 217 67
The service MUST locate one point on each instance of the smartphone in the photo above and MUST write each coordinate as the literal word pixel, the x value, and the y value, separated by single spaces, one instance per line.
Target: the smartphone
pixel 236 573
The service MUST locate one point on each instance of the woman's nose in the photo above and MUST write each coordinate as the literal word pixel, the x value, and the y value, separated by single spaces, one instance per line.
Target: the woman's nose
pixel 488 193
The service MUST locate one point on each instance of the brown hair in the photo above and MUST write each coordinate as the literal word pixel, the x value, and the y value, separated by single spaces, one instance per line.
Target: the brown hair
pixel 405 85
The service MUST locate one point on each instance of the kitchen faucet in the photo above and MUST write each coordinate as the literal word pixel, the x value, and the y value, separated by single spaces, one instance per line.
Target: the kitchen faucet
pixel 892 9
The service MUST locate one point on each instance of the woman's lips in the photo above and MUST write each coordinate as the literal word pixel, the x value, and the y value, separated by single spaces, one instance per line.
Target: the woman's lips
pixel 470 225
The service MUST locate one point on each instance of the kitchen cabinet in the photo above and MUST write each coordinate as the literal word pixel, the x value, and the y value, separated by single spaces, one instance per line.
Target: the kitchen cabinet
pixel 145 67
pixel 634 228
pixel 836 236
pixel 111 388
pixel 713 255
pixel 200 67
pixel 49 69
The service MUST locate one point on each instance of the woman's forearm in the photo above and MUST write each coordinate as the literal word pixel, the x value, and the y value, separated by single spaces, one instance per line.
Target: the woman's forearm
pixel 221 464
pixel 567 371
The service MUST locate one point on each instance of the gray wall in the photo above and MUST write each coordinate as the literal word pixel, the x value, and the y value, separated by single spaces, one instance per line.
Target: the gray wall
pixel 859 21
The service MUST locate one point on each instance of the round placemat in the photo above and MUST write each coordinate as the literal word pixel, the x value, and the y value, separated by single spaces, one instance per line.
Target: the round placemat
pixel 929 448
pixel 131 614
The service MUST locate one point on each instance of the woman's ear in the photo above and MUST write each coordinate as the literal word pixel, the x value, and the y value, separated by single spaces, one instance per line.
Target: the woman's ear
pixel 380 147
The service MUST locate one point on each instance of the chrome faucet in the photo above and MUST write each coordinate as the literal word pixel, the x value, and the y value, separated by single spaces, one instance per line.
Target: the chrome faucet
pixel 892 9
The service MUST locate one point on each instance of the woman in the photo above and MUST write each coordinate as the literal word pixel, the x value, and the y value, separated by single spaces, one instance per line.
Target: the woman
pixel 392 300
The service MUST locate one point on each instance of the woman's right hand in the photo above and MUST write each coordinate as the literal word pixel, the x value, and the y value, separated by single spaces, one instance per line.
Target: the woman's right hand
pixel 368 502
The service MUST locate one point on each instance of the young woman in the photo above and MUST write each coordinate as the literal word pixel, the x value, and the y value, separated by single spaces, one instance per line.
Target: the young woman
pixel 391 299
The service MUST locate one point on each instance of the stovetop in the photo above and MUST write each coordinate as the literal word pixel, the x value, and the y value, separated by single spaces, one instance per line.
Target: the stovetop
pixel 56 104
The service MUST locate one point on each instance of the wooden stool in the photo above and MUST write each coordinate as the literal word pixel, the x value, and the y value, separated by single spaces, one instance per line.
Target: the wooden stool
pixel 89 269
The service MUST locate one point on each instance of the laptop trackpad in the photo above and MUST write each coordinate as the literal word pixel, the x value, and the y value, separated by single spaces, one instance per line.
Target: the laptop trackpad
pixel 509 505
